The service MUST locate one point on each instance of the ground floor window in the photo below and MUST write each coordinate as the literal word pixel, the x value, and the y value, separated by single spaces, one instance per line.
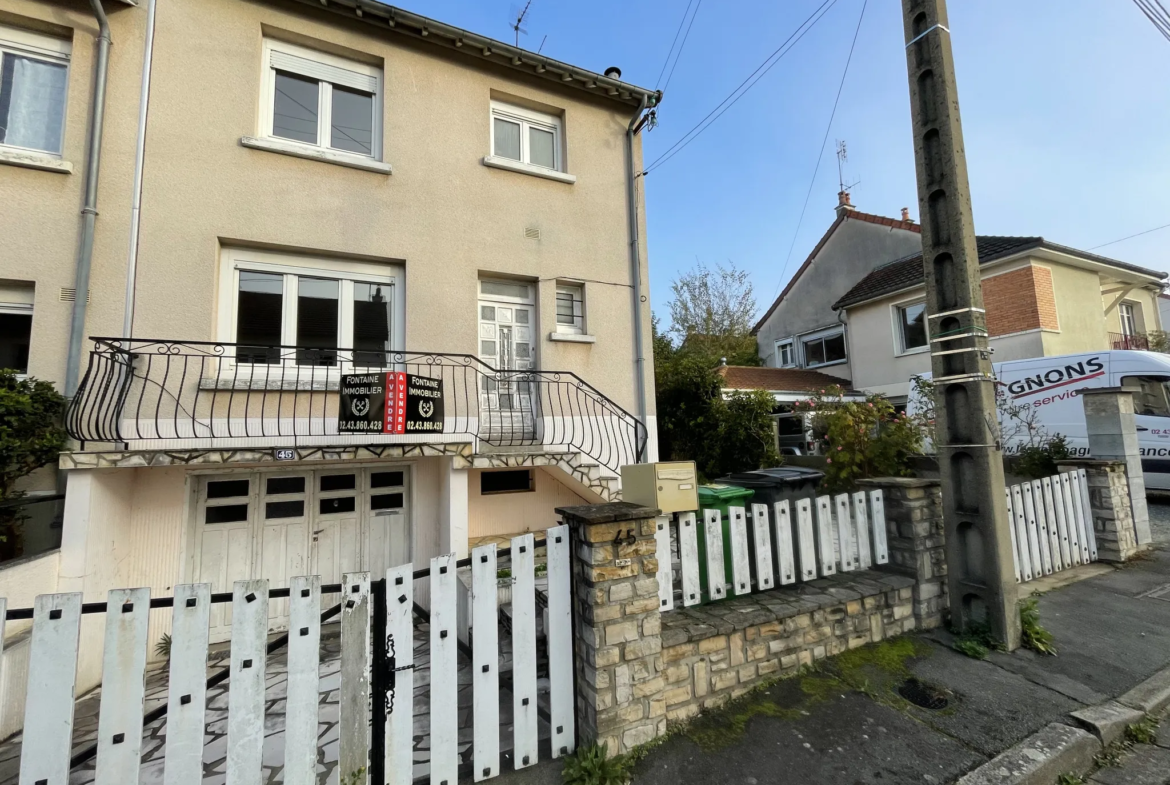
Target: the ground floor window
pixel 16 315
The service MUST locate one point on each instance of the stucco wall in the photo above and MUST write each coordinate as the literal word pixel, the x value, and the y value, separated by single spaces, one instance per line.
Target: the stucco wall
pixel 515 513
pixel 850 253
pixel 1145 303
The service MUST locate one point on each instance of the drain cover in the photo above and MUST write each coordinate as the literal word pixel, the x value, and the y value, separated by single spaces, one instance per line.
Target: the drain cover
pixel 923 695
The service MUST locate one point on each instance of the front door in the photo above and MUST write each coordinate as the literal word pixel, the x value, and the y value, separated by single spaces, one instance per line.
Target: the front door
pixel 507 322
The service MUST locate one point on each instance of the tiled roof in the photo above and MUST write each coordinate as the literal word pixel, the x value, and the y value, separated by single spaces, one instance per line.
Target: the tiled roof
pixel 743 377
pixel 848 215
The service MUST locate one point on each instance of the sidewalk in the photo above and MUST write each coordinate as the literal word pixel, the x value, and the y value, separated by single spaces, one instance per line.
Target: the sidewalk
pixel 855 721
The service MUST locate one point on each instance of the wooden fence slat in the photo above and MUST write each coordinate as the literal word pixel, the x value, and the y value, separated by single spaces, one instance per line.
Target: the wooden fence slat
pixel 713 537
pixel 1007 492
pixel 665 566
pixel 806 540
pixel 1037 540
pixel 1083 524
pixel 1070 515
pixel 485 671
pixel 1086 506
pixel 762 542
pixel 826 549
pixel 354 753
pixel 688 551
pixel 881 549
pixel 560 642
pixel 400 633
pixel 187 687
pixel 845 534
pixel 444 682
pixel 741 573
pixel 1022 538
pixel 302 696
pixel 783 538
pixel 861 527
pixel 1047 518
pixel 245 741
pixel 525 727
pixel 123 687
pixel 52 670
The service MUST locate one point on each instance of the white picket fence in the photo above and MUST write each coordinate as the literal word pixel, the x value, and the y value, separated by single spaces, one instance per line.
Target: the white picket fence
pixel 49 713
pixel 1052 526
pixel 784 544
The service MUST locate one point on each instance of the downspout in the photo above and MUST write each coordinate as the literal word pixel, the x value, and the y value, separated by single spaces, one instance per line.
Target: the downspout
pixel 89 209
pixel 139 155
pixel 636 263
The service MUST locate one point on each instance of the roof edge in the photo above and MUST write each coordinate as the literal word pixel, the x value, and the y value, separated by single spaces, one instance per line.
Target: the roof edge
pixel 421 28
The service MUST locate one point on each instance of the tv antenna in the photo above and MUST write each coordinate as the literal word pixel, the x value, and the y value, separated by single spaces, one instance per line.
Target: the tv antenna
pixel 842 159
pixel 518 26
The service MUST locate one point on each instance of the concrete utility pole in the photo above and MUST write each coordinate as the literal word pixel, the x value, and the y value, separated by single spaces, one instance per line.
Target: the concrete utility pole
pixel 980 576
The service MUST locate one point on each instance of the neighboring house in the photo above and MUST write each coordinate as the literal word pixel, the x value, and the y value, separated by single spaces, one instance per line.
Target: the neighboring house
pixel 326 189
pixel 800 330
pixel 1041 299
pixel 1164 309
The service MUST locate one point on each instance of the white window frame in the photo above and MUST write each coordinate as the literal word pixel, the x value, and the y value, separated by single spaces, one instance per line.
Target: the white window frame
pixel 832 332
pixel 292 267
pixel 1127 312
pixel 577 291
pixel 20 309
pixel 356 70
pixel 780 345
pixel 899 336
pixel 506 298
pixel 50 50
pixel 528 118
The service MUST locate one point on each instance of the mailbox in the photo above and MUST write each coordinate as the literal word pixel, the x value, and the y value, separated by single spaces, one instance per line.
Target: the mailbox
pixel 669 486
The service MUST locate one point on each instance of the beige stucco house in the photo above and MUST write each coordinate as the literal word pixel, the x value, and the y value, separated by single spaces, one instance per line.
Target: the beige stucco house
pixel 291 193
pixel 1042 299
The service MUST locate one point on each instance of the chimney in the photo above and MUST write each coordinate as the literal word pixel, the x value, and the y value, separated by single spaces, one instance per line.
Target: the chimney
pixel 613 72
pixel 843 203
pixel 906 215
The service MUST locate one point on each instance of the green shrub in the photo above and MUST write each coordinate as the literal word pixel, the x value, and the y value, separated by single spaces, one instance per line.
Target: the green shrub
pixel 592 766
pixel 1032 635
pixel 1039 460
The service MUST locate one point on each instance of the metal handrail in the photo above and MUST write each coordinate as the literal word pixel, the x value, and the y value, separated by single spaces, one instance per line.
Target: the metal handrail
pixel 197 393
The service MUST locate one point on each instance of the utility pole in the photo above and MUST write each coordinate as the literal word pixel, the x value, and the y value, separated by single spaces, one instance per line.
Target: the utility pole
pixel 980 577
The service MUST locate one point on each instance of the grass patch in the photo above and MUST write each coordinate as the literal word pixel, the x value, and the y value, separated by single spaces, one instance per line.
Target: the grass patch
pixel 593 765
pixel 1144 732
pixel 977 641
pixel 1032 635
pixel 1069 779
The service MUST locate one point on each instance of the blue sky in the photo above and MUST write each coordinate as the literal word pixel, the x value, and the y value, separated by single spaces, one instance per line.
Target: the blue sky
pixel 1066 118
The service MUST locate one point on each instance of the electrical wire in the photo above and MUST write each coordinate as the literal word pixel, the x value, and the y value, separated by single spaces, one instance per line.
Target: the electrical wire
pixel 680 46
pixel 1130 237
pixel 824 141
pixel 1157 14
pixel 665 63
pixel 741 90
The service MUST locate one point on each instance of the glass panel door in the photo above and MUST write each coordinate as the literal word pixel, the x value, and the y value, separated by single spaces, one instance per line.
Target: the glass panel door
pixel 507 397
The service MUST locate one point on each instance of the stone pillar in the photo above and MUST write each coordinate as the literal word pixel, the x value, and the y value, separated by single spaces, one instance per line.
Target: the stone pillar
pixel 1109 418
pixel 916 540
pixel 1110 506
pixel 618 648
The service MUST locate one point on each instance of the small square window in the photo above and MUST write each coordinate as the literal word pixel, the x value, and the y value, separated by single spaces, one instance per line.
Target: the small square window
pixel 526 136
pixel 34 77
pixel 570 308
pixel 509 481
pixel 785 356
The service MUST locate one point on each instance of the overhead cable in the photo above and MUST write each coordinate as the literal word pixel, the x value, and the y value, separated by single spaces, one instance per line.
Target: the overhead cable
pixel 666 62
pixel 680 46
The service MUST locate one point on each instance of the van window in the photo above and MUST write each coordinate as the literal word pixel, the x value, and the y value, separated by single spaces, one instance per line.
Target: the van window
pixel 790 426
pixel 1149 394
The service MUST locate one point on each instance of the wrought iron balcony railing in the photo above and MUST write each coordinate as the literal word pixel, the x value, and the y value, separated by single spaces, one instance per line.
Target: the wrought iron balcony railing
pixel 1124 341
pixel 159 394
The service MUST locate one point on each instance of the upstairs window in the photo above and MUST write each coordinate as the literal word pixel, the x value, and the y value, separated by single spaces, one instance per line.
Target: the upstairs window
pixel 321 100
pixel 526 136
pixel 34 74
pixel 912 326
pixel 1126 313
pixel 824 350
pixel 785 357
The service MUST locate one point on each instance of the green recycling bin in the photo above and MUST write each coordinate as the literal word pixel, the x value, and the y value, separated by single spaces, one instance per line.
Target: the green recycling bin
pixel 722 498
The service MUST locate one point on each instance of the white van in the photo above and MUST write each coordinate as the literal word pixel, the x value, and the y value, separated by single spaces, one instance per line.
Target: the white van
pixel 1049 385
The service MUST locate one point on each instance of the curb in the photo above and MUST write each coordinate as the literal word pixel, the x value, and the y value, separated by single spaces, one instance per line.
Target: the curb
pixel 1059 748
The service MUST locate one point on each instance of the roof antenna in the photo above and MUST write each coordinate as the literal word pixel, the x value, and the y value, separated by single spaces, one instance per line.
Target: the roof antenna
pixel 518 26
pixel 842 159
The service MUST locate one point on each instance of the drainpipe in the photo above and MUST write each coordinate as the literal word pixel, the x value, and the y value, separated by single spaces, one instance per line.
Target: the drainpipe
pixel 139 154
pixel 636 261
pixel 89 209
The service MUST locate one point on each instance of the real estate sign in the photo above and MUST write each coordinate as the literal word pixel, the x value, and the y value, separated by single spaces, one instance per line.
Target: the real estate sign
pixel 392 402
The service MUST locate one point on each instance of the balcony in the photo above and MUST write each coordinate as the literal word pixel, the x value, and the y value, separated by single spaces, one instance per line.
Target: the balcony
pixel 164 395
pixel 1125 341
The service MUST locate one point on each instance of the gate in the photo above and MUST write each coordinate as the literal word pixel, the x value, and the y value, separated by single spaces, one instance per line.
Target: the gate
pixel 1051 525
pixel 389 648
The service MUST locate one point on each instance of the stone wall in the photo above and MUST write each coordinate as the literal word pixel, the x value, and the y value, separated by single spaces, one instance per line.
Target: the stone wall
pixel 1110 504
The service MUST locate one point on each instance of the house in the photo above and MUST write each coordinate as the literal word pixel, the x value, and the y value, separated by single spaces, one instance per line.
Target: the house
pixel 1041 299
pixel 800 329
pixel 363 287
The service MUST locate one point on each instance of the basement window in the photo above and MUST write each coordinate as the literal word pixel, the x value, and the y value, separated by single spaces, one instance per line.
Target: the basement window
pixel 508 481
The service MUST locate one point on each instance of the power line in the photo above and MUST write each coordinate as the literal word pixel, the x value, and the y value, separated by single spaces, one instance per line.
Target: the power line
pixel 824 141
pixel 1157 14
pixel 740 91
pixel 666 62
pixel 1130 237
pixel 680 46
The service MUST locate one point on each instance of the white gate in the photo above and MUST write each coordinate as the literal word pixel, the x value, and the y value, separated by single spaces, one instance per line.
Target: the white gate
pixel 1052 525
pixel 377 746
pixel 776 545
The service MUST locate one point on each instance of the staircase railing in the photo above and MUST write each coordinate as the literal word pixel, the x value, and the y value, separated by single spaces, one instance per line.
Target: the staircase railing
pixel 203 395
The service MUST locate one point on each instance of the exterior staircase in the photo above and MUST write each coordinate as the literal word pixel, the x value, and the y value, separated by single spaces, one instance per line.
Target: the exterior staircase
pixel 583 474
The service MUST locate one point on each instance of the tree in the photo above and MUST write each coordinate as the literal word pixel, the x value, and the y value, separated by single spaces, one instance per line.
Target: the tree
pixel 713 303
pixel 31 436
